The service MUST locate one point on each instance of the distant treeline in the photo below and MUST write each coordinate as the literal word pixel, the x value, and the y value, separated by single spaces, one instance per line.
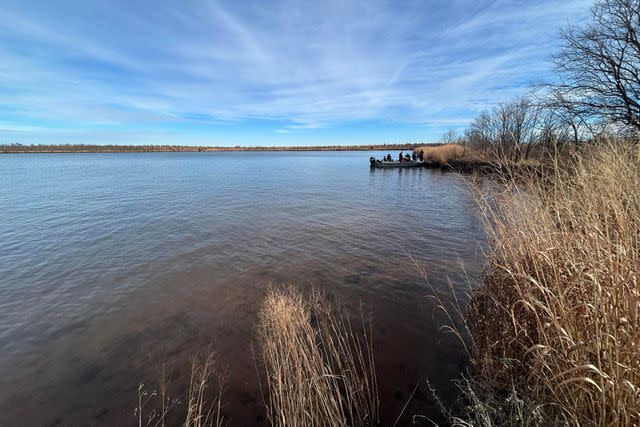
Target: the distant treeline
pixel 86 148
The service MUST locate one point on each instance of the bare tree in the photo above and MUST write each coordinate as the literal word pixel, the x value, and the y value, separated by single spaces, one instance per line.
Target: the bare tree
pixel 449 137
pixel 509 132
pixel 564 117
pixel 599 66
pixel 479 132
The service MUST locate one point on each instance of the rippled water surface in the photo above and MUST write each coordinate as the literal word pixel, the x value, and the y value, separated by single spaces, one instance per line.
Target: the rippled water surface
pixel 111 264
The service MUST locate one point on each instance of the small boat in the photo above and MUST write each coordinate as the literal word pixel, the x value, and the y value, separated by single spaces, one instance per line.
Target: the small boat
pixel 393 164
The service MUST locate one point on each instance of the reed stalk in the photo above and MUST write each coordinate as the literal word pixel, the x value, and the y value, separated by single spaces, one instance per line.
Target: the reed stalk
pixel 556 317
pixel 319 370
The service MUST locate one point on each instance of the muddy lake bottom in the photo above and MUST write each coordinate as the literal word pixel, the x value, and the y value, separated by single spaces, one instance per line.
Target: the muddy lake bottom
pixel 112 265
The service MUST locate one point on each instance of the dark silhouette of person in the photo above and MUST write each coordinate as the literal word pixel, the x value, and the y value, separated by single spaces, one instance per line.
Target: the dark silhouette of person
pixel 400 157
pixel 414 156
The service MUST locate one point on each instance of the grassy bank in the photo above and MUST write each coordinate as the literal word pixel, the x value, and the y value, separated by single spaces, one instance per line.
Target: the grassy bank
pixel 555 323
pixel 462 157
pixel 446 153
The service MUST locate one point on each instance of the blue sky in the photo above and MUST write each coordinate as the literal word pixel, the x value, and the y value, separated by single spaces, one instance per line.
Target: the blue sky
pixel 266 72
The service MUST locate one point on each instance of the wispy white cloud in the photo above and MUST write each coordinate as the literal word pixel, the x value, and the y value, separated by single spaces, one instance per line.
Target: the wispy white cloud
pixel 130 67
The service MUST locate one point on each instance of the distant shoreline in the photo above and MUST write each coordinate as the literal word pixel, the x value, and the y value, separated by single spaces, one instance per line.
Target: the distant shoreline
pixel 35 149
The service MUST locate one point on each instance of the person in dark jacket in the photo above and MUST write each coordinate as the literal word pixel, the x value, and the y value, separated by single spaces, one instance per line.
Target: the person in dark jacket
pixel 414 156
pixel 400 157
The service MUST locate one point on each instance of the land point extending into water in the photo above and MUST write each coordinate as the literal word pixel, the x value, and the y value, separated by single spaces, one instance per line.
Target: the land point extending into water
pixel 444 156
pixel 96 148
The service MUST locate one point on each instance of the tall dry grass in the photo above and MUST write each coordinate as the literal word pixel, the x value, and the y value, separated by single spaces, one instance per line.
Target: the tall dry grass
pixel 202 412
pixel 201 407
pixel 556 318
pixel 319 370
pixel 443 153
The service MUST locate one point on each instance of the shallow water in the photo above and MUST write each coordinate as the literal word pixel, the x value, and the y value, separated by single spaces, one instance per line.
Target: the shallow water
pixel 111 264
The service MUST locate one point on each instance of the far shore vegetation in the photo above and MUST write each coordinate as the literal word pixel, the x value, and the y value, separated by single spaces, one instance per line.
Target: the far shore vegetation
pixel 17 148
pixel 552 330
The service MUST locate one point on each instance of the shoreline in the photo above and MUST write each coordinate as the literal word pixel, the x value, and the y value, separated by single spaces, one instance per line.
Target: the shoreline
pixel 52 149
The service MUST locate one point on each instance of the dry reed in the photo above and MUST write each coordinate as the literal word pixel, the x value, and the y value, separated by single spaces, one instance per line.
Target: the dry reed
pixel 319 370
pixel 443 153
pixel 206 382
pixel 200 411
pixel 557 314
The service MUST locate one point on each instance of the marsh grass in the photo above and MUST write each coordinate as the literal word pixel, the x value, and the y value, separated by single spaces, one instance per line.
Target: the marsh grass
pixel 444 153
pixel 201 411
pixel 200 407
pixel 319 370
pixel 555 324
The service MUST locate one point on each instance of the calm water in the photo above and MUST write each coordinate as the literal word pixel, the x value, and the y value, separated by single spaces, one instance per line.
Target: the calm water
pixel 111 264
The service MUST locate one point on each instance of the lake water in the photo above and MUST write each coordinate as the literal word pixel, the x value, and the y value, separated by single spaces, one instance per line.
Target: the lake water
pixel 111 264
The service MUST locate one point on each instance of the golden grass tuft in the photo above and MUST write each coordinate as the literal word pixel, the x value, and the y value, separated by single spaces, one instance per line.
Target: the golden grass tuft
pixel 558 312
pixel 442 153
pixel 319 370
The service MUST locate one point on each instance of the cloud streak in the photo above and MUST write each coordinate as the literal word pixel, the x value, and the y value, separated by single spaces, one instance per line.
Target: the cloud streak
pixel 282 70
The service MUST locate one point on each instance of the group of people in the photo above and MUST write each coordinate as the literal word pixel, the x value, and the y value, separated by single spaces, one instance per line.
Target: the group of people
pixel 405 157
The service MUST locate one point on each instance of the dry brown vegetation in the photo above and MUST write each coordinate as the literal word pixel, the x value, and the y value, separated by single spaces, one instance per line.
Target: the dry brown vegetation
pixel 319 371
pixel 443 153
pixel 556 320
pixel 202 406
